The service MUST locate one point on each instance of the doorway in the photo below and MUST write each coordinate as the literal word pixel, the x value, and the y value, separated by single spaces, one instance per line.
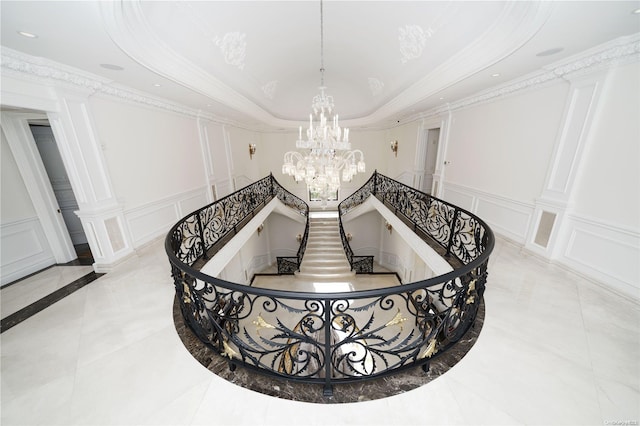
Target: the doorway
pixel 16 127
pixel 431 156
pixel 61 186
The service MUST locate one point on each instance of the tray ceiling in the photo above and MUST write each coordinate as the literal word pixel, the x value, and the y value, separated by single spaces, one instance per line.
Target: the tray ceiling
pixel 258 62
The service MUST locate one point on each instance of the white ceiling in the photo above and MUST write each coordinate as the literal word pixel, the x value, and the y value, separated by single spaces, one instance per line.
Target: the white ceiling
pixel 258 62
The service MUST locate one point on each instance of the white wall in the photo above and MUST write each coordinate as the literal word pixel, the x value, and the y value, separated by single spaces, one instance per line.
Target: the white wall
pixel 607 186
pixel 503 147
pixel 151 153
pixel 366 233
pixel 245 169
pixel 155 162
pixel 400 167
pixel 601 235
pixel 250 259
pixel 282 232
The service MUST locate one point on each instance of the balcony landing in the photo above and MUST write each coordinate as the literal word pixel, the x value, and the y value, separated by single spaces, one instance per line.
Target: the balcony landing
pixel 400 382
pixel 326 285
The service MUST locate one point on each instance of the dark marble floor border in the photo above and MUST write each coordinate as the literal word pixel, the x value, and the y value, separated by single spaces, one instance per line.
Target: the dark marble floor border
pixel 366 390
pixel 37 306
pixel 80 261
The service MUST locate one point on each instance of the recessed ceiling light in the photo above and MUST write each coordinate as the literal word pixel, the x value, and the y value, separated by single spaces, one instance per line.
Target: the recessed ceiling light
pixel 636 12
pixel 112 67
pixel 550 52
pixel 495 75
pixel 157 85
pixel 27 34
pixel 441 98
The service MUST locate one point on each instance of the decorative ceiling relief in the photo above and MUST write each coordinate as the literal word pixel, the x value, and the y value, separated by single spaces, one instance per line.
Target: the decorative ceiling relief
pixel 269 89
pixel 233 47
pixel 412 40
pixel 376 86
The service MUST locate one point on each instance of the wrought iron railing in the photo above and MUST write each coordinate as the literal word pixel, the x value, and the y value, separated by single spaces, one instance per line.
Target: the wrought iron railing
pixel 331 338
pixel 203 232
pixel 359 264
pixel 288 265
pixel 450 228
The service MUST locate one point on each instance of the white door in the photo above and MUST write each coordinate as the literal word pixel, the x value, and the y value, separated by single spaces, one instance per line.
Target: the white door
pixel 59 179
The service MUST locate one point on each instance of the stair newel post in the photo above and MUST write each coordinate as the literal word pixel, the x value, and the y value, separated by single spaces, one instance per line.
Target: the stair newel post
pixel 328 387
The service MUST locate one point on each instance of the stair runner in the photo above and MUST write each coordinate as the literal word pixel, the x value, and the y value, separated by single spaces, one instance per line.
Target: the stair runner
pixel 324 257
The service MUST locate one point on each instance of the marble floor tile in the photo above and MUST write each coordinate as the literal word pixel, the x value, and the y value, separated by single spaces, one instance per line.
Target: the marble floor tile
pixel 29 290
pixel 554 349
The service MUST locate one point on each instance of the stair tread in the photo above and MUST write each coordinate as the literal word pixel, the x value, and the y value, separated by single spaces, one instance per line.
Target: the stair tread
pixel 324 257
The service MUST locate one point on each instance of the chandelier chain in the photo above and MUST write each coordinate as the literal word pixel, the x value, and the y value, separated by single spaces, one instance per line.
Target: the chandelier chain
pixel 321 45
pixel 325 148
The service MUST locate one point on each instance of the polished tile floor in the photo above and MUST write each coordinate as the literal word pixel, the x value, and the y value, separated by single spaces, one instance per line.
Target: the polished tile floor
pixel 554 349
pixel 18 295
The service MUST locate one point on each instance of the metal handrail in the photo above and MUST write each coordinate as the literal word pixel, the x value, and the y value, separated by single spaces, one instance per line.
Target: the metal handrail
pixel 330 338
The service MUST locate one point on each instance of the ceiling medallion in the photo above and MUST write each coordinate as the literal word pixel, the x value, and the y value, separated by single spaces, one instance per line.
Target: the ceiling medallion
pixel 233 47
pixel 326 151
pixel 412 39
pixel 376 86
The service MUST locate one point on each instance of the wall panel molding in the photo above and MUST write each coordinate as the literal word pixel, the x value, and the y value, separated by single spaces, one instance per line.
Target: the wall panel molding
pixel 507 217
pixel 152 220
pixel 24 249
pixel 608 253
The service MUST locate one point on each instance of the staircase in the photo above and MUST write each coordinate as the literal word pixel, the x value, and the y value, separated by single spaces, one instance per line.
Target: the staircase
pixel 324 258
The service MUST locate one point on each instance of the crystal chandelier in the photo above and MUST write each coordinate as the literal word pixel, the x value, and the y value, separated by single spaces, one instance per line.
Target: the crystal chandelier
pixel 326 150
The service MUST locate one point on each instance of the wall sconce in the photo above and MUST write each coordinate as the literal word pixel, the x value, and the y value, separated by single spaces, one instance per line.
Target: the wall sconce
pixel 394 147
pixel 388 226
pixel 252 150
pixel 349 236
pixel 299 237
pixel 260 228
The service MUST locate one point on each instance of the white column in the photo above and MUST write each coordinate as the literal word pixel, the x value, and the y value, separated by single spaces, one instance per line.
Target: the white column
pixel 101 215
pixel 554 203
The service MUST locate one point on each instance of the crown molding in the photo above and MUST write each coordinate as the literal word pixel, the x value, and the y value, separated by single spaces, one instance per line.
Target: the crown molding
pixel 617 52
pixel 24 66
pixel 516 25
pixel 128 27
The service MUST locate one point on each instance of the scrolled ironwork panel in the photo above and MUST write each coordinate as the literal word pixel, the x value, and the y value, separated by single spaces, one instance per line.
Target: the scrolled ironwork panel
pixel 468 238
pixel 186 240
pixel 287 265
pixel 362 264
pixel 357 198
pixel 282 336
pixel 372 336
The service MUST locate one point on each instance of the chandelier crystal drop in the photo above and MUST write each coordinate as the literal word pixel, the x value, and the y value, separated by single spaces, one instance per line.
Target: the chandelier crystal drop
pixel 325 150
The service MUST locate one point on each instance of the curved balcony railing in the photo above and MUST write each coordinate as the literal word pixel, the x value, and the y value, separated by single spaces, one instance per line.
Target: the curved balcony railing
pixel 451 230
pixel 331 338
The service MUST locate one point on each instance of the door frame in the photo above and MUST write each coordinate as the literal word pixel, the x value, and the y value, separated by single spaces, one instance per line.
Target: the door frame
pixel 23 147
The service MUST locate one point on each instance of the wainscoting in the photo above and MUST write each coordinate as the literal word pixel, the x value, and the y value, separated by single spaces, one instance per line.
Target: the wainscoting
pixel 506 217
pixel 25 249
pixel 594 249
pixel 153 220
pixel 393 262
pixel 608 253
